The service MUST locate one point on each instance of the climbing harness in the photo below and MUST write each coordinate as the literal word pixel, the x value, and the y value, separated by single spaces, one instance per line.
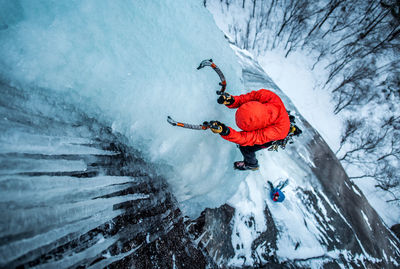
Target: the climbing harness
pixel 293 131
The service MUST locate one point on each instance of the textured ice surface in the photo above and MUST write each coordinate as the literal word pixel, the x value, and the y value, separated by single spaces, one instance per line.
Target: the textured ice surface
pixel 72 193
pixel 135 63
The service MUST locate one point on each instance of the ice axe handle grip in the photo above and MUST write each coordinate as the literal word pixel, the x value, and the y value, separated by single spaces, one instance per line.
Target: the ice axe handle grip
pixel 206 125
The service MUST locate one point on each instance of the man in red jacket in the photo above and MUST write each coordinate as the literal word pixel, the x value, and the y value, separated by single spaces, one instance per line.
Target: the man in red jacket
pixel 263 119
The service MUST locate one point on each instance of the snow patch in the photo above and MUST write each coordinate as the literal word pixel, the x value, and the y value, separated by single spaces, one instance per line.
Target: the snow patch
pixel 366 219
pixel 249 219
pixel 356 191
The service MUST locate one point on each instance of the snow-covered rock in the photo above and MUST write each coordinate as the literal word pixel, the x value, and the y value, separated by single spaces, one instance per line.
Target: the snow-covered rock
pixel 324 220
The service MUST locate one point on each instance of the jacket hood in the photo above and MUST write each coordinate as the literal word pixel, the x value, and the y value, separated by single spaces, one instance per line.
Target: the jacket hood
pixel 254 115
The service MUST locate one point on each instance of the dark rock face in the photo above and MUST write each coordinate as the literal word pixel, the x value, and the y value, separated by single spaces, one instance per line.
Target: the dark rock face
pixel 396 229
pixel 115 212
pixel 212 230
pixel 269 239
pixel 372 237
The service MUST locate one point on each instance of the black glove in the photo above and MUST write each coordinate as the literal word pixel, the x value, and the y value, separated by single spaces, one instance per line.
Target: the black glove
pixel 219 128
pixel 225 99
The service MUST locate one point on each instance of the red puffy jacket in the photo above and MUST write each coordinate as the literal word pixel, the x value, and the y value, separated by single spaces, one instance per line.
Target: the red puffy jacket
pixel 262 117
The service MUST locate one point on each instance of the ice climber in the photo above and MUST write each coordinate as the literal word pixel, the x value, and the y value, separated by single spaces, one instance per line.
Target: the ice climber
pixel 263 119
pixel 276 192
pixel 277 195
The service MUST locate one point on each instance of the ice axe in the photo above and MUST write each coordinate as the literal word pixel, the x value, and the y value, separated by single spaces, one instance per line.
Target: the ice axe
pixel 206 125
pixel 219 72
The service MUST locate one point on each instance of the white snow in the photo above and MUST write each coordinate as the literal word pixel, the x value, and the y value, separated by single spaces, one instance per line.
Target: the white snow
pixel 294 76
pixel 249 219
pixel 148 238
pixel 389 212
pixel 304 85
pixel 366 219
pixel 299 236
pixel 356 191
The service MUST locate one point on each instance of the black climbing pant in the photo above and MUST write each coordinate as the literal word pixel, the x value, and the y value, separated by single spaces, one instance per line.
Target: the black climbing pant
pixel 249 153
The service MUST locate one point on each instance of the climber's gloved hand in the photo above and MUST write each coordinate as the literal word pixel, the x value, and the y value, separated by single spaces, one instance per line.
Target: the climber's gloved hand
pixel 225 99
pixel 218 128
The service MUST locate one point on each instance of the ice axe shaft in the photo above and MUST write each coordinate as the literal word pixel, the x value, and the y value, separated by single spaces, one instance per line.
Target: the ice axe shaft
pixel 206 125
pixel 216 69
pixel 203 126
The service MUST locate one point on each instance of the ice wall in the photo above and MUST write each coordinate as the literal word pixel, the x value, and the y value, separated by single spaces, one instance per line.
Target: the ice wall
pixel 136 61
